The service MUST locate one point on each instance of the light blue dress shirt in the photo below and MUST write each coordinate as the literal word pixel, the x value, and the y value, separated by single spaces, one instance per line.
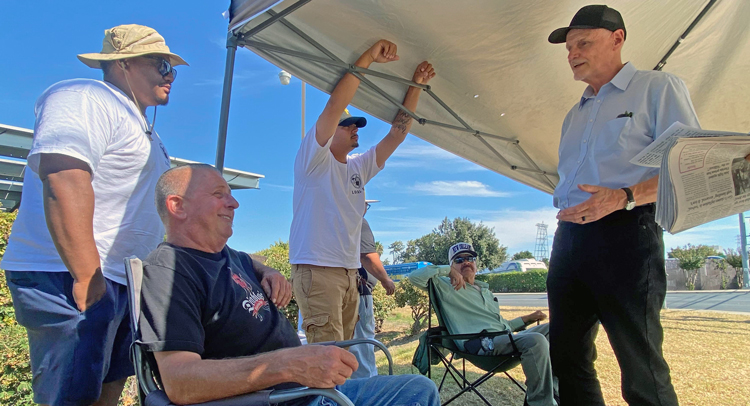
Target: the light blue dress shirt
pixel 600 135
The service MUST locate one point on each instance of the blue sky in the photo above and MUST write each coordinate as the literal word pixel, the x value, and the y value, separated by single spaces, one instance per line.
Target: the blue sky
pixel 420 186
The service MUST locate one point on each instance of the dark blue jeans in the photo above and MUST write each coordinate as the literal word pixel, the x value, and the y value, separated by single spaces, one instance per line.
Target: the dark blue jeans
pixel 609 271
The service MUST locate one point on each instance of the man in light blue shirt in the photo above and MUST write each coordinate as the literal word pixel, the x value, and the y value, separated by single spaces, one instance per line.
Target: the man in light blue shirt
pixel 608 259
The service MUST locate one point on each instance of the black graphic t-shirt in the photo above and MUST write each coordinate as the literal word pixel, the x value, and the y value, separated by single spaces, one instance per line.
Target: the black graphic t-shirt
pixel 211 304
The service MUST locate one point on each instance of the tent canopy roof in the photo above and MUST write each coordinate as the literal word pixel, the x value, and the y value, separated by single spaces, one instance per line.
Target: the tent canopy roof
pixel 505 87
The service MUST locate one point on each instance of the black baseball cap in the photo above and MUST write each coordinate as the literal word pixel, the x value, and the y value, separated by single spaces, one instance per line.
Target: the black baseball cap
pixel 594 16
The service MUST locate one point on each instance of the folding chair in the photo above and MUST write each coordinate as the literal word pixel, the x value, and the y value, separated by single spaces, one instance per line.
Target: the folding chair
pixel 441 341
pixel 151 391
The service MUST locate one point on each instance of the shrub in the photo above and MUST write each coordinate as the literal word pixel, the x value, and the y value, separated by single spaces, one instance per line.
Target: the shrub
pixel 533 280
pixel 277 257
pixel 15 380
pixel 417 299
pixel 382 307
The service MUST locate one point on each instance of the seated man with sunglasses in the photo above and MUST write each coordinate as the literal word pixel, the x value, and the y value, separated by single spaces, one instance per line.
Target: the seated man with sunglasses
pixel 469 307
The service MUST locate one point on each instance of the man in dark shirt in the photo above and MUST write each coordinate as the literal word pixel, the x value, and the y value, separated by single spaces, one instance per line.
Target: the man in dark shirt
pixel 210 316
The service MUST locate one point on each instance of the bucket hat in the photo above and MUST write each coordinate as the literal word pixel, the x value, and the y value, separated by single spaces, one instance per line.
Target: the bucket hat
pixel 130 41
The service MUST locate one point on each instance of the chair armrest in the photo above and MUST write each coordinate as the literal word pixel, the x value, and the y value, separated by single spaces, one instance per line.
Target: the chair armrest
pixel 284 395
pixel 472 336
pixel 358 341
pixel 260 398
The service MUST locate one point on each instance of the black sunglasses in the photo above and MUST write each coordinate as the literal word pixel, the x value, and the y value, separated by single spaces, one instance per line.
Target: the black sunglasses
pixel 164 66
pixel 460 260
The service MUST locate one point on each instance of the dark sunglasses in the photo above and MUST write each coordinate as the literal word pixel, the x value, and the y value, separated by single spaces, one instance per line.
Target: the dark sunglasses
pixel 460 260
pixel 165 68
pixel 367 206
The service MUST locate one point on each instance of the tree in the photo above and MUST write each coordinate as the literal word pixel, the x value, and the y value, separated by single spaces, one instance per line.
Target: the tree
pixel 433 247
pixel 397 249
pixel 734 259
pixel 417 300
pixel 691 259
pixel 522 255
pixel 378 248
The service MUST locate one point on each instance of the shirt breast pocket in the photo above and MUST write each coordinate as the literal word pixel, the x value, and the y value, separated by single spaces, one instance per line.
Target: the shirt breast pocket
pixel 613 134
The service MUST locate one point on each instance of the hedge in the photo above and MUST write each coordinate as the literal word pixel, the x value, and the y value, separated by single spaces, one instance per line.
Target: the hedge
pixel 534 280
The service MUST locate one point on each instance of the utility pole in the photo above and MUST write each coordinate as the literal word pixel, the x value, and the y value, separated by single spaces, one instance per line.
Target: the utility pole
pixel 743 237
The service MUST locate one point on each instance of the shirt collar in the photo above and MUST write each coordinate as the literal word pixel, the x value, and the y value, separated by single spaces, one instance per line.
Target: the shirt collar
pixel 621 81
pixel 481 284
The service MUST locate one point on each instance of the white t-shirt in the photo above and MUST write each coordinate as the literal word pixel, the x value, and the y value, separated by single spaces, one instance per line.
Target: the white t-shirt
pixel 94 122
pixel 329 202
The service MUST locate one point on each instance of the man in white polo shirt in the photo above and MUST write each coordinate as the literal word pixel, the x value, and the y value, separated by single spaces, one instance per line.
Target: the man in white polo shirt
pixel 329 202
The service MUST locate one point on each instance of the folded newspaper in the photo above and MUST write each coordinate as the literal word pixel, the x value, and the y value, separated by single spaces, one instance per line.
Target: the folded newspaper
pixel 703 177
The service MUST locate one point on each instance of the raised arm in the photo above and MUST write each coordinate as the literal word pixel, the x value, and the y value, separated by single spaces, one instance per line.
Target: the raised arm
pixel 381 52
pixel 189 379
pixel 402 122
pixel 69 210
pixel 420 277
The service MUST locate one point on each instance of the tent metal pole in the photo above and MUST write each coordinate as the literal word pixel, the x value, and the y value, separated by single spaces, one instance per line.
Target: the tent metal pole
pixel 226 95
pixel 336 62
pixel 301 55
pixel 491 148
pixel 677 43
pixel 275 17
pixel 528 158
pixel 445 106
pixel 467 130
pixel 385 95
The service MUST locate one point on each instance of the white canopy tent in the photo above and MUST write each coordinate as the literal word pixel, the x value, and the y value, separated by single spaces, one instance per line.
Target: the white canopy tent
pixel 502 90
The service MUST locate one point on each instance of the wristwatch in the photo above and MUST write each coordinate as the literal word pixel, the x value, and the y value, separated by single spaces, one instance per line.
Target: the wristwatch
pixel 630 205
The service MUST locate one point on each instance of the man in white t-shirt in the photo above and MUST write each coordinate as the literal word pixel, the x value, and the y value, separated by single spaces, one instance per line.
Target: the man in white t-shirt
pixel 88 202
pixel 329 202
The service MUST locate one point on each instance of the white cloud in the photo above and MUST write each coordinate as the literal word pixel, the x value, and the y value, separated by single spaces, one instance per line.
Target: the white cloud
pixel 386 208
pixel 424 155
pixel 283 188
pixel 468 188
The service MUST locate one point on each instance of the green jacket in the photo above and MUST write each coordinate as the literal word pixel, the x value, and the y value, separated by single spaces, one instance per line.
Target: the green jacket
pixel 468 310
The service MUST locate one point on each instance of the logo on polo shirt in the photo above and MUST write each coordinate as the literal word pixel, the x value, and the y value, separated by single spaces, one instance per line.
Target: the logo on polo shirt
pixel 255 302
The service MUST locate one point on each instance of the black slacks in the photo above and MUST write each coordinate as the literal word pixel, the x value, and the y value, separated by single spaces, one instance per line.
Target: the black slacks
pixel 611 271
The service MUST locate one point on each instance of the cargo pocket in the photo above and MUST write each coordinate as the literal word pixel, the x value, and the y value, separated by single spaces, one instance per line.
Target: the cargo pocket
pixel 318 328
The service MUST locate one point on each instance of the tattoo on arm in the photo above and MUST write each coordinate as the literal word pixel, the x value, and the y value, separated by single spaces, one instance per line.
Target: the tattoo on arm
pixel 402 121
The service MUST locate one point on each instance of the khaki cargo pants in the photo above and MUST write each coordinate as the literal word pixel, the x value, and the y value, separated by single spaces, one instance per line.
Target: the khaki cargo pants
pixel 328 300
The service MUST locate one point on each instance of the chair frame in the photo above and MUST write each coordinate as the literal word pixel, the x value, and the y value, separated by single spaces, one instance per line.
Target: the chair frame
pixel 151 391
pixel 439 338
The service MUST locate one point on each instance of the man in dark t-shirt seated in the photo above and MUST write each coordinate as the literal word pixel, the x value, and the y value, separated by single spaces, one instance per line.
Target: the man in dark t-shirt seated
pixel 210 313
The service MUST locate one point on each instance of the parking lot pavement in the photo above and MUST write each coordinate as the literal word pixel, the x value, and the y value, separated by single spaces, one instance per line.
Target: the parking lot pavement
pixel 717 300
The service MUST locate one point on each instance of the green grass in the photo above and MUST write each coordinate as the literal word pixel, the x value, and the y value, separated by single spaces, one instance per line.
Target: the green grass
pixel 707 352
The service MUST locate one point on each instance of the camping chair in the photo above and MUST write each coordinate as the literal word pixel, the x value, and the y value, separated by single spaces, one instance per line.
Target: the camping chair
pixel 150 390
pixel 441 342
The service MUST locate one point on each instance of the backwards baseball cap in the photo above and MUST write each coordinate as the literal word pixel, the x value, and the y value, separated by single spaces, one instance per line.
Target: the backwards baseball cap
pixel 130 41
pixel 594 16
pixel 460 248
pixel 347 120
